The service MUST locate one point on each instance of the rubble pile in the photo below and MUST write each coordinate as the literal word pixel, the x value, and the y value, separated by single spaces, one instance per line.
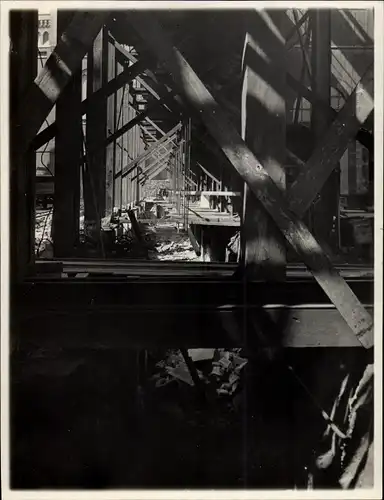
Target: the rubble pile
pixel 173 245
pixel 152 187
pixel 160 239
pixel 176 250
pixel 43 240
pixel 220 371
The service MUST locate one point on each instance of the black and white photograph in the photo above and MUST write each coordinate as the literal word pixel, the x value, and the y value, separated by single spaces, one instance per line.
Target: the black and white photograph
pixel 191 225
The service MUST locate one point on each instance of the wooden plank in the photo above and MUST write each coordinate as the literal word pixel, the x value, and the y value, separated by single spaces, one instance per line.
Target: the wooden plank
pixel 263 130
pixel 154 125
pixel 137 231
pixel 356 275
pixel 135 226
pixel 57 72
pixel 125 57
pixel 207 172
pixel 68 147
pixel 158 170
pixel 309 328
pixel 163 141
pixel 333 145
pixel 156 163
pixel 194 243
pixel 229 194
pixel 151 173
pixel 112 86
pixel 291 40
pixel 253 173
pixel 161 156
pixel 133 122
pixel 23 69
pixel 362 135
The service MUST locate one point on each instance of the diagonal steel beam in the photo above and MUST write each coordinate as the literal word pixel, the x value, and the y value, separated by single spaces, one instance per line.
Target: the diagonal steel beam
pixel 125 57
pixel 64 61
pixel 295 29
pixel 161 142
pixel 158 152
pixel 207 173
pixel 128 126
pixel 155 172
pixel 253 173
pixel 154 164
pixel 151 122
pixel 112 86
pixel 362 135
pixel 332 146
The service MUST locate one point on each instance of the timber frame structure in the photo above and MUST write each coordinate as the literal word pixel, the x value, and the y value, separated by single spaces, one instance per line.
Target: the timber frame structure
pixel 248 144
pixel 166 106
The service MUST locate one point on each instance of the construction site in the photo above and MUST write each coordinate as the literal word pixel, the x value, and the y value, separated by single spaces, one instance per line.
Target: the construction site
pixel 192 248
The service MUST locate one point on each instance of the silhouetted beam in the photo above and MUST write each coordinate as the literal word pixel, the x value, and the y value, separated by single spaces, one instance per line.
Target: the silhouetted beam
pixel 68 147
pixel 164 140
pixel 23 34
pixel 125 57
pixel 57 72
pixel 167 97
pixel 132 123
pixel 296 30
pixel 110 88
pixel 256 177
pixel 137 230
pixel 111 105
pixel 332 146
pixel 44 136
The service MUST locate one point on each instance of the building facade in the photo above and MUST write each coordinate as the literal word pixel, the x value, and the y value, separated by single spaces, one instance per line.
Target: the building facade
pixel 45 156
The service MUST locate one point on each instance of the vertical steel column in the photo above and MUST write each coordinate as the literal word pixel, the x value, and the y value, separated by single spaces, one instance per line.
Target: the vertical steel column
pixel 263 118
pixel 110 160
pixel 138 170
pixel 23 69
pixel 95 178
pixel 178 171
pixel 325 209
pixel 68 148
pixel 119 151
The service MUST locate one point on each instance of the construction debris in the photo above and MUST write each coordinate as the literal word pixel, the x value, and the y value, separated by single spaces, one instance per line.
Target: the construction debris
pixel 201 354
pixel 222 370
pixel 234 244
pixel 43 229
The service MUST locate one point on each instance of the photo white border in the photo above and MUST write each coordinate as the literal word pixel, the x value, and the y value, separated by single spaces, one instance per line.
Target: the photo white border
pixel 376 492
